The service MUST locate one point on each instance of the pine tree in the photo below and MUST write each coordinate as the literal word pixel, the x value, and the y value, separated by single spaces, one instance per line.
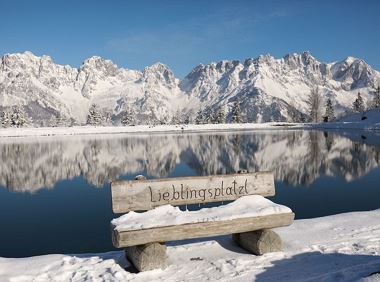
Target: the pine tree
pixel 52 122
pixel 315 104
pixel 376 98
pixel 220 116
pixel 94 116
pixel 128 117
pixel 18 117
pixel 176 119
pixel 187 120
pixel 5 120
pixel 106 117
pixel 209 116
pixel 329 114
pixel 235 112
pixel 358 105
pixel 200 118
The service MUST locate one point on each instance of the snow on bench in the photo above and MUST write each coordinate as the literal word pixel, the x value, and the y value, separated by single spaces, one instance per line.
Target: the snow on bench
pixel 248 218
pixel 165 223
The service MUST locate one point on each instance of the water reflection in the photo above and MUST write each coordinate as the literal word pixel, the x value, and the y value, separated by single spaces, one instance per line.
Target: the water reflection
pixel 295 157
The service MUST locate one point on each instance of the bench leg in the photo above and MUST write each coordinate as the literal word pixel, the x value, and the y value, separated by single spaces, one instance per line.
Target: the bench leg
pixel 259 242
pixel 148 256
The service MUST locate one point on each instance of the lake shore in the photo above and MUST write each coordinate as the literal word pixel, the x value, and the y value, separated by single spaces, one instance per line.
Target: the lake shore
pixel 190 128
pixel 138 129
pixel 344 247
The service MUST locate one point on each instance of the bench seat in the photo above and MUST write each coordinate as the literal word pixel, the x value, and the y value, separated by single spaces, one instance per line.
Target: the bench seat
pixel 168 223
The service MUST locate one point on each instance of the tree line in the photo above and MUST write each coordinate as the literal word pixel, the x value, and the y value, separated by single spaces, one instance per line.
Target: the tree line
pixel 16 116
pixel 203 116
pixel 315 104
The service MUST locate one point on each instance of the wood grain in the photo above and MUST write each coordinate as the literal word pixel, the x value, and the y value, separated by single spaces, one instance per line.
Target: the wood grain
pixel 259 242
pixel 198 230
pixel 140 195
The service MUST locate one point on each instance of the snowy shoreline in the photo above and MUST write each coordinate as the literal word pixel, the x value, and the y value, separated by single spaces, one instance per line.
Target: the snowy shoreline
pixel 192 128
pixel 344 247
pixel 139 129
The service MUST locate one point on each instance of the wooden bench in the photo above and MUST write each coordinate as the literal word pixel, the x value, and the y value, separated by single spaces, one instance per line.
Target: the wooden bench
pixel 248 218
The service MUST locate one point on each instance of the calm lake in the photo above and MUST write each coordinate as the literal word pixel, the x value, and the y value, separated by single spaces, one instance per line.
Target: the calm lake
pixel 55 192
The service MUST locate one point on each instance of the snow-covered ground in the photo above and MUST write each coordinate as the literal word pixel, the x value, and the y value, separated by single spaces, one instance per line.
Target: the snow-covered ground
pixel 350 122
pixel 344 247
pixel 88 130
pixel 91 130
pixel 354 121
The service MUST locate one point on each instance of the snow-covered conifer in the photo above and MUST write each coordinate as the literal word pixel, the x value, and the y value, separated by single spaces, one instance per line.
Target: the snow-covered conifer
pixel 235 112
pixel 5 120
pixel 128 117
pixel 209 116
pixel 94 116
pixel 52 122
pixel 220 116
pixel 187 120
pixel 358 105
pixel 176 119
pixel 59 120
pixel 106 117
pixel 200 118
pixel 329 114
pixel 18 117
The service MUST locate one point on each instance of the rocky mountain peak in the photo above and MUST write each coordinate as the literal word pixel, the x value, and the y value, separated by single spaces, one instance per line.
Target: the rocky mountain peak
pixel 264 59
pixel 354 73
pixel 225 66
pixel 96 64
pixel 350 60
pixel 159 73
pixel 295 60
pixel 19 61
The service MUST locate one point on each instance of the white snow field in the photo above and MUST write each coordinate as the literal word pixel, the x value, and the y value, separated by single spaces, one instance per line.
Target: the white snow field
pixel 354 121
pixel 344 247
pixel 87 130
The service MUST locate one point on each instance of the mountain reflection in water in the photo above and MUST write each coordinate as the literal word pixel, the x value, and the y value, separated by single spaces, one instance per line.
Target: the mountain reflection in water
pixel 295 157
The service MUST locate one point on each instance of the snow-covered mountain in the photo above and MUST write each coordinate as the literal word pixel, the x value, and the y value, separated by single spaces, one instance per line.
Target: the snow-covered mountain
pixel 268 89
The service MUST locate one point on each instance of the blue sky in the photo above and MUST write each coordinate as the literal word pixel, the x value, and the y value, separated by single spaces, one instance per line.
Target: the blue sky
pixel 182 34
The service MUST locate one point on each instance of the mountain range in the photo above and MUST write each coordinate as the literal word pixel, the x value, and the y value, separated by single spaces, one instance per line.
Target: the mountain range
pixel 267 89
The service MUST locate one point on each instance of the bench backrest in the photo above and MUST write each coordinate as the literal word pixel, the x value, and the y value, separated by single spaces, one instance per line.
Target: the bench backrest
pixel 140 195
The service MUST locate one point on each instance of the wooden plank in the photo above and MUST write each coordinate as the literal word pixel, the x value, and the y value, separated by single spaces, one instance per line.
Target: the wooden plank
pixel 132 195
pixel 198 230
